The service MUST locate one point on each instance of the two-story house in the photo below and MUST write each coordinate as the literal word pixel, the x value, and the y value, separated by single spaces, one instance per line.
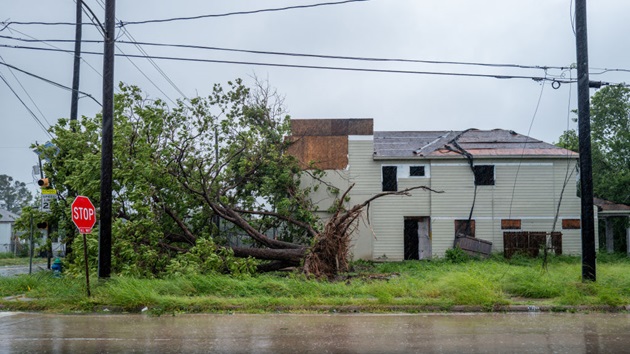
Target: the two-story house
pixel 491 182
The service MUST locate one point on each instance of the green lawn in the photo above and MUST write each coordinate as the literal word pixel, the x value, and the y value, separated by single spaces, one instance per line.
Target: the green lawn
pixel 377 287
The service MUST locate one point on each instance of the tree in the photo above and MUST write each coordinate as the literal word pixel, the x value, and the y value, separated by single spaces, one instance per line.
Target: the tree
pixel 186 179
pixel 610 143
pixel 13 194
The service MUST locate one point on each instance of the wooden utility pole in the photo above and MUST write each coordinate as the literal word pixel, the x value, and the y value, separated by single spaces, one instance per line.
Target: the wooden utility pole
pixel 77 62
pixel 584 130
pixel 105 229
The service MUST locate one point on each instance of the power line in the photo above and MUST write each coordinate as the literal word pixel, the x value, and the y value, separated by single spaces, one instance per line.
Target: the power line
pixel 47 42
pixel 320 56
pixel 27 94
pixel 121 23
pixel 39 122
pixel 50 81
pixel 318 67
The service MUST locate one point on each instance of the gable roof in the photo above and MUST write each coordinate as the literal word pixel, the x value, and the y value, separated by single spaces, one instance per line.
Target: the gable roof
pixel 446 144
pixel 7 216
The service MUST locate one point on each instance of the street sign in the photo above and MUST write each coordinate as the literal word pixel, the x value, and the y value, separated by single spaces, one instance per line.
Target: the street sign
pixel 83 214
pixel 48 195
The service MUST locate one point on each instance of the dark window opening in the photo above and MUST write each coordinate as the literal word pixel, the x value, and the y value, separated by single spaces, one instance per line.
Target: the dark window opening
pixel 464 228
pixel 390 179
pixel 416 171
pixel 484 175
pixel 510 224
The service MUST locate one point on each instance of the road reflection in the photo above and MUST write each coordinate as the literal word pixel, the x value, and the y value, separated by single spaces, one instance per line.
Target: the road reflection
pixel 334 333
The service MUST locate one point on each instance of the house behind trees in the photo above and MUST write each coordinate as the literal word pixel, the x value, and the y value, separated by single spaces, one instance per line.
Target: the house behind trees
pixel 496 184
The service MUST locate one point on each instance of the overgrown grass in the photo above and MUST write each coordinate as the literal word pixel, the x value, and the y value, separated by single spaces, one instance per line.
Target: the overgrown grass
pixel 439 284
pixel 9 259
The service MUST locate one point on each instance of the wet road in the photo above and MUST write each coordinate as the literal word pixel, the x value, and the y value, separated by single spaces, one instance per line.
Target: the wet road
pixel 6 271
pixel 336 333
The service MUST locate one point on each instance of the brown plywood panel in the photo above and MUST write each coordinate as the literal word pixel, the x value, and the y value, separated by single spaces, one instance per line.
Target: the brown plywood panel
pixel 570 223
pixel 510 224
pixel 331 127
pixel 327 152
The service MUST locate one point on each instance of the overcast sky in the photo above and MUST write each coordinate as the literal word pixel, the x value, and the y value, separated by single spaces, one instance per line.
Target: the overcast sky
pixel 533 32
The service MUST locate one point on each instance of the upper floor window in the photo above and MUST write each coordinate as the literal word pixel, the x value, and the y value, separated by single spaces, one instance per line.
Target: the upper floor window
pixel 390 178
pixel 416 171
pixel 484 175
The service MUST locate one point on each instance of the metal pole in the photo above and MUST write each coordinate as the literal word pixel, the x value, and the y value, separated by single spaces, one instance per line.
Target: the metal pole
pixel 584 127
pixel 105 234
pixel 30 249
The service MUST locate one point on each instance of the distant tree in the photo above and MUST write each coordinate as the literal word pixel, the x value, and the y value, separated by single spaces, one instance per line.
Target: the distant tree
pixel 13 194
pixel 610 143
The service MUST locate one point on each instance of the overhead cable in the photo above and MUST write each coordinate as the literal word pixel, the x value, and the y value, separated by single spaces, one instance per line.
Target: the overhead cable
pixel 39 122
pixel 126 23
pixel 317 67
pixel 51 82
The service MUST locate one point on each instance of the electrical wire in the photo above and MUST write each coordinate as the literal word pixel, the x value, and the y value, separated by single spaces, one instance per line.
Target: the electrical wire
pixel 121 24
pixel 51 82
pixel 307 55
pixel 26 92
pixel 317 67
pixel 39 122
pixel 531 124
pixel 46 42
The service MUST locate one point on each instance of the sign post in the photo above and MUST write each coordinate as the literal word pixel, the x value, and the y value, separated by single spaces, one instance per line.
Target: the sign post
pixel 84 217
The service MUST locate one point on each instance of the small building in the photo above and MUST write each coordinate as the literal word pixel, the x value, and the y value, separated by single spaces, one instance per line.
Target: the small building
pixel 490 185
pixel 607 211
pixel 7 219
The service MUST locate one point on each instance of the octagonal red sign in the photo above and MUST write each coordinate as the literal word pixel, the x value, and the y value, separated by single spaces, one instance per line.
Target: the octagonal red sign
pixel 83 214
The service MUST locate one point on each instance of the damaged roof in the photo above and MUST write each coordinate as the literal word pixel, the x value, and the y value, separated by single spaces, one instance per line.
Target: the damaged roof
pixel 448 144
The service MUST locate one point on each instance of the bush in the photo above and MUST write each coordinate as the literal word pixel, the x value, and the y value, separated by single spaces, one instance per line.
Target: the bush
pixel 456 255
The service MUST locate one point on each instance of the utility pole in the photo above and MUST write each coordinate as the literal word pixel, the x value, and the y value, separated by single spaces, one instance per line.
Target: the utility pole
pixel 584 130
pixel 105 229
pixel 74 101
pixel 77 63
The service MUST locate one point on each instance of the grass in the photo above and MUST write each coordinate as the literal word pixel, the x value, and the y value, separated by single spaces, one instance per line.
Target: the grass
pixel 410 286
pixel 8 259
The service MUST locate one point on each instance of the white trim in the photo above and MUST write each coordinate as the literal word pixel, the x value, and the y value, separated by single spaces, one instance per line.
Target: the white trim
pixel 360 137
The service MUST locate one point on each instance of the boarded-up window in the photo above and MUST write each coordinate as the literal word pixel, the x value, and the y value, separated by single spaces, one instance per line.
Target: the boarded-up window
pixel 416 171
pixel 570 223
pixel 390 179
pixel 510 224
pixel 484 175
pixel 464 228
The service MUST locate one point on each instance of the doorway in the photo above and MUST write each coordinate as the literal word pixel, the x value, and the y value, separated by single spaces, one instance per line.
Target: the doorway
pixel 417 240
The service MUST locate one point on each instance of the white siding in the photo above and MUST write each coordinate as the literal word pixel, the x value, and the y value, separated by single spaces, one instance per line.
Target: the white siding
pixel 528 190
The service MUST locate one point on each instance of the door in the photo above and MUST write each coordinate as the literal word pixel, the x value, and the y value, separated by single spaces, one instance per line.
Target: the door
pixel 417 238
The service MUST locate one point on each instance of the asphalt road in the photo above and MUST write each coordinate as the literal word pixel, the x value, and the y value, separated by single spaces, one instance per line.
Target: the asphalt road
pixel 334 333
pixel 6 271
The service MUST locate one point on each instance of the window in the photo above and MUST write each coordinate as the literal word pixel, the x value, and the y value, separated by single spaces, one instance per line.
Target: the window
pixel 416 171
pixel 390 179
pixel 569 224
pixel 484 175
pixel 510 224
pixel 463 228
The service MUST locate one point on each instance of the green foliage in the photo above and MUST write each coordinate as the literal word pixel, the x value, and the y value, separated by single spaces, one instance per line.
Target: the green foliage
pixel 456 255
pixel 171 167
pixel 13 194
pixel 610 138
pixel 372 287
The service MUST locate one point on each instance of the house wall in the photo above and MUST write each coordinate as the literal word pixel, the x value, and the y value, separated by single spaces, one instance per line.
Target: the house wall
pixel 527 189
pixel 5 237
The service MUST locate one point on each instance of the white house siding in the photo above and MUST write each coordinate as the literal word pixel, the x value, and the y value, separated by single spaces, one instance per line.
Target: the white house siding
pixel 5 237
pixel 532 197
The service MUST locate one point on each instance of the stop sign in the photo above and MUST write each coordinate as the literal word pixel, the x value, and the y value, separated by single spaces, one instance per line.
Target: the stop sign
pixel 83 214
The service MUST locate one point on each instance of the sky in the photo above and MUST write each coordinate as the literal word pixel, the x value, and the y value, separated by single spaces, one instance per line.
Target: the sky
pixel 535 33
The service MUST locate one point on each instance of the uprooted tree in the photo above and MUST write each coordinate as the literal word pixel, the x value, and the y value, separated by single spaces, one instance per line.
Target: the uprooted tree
pixel 186 179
